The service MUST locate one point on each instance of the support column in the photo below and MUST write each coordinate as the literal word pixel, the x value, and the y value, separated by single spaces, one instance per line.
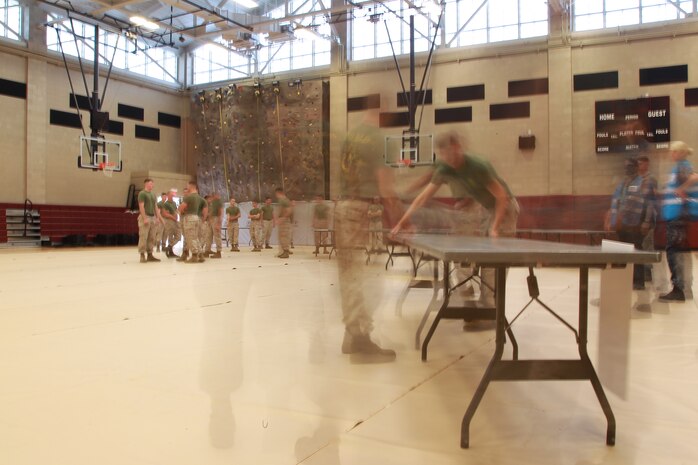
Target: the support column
pixel 36 124
pixel 338 129
pixel 560 134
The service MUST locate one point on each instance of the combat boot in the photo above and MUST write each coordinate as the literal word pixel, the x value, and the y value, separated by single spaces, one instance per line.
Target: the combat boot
pixel 151 258
pixel 267 246
pixel 236 248
pixel 143 259
pixel 215 255
pixel 201 258
pixel 183 257
pixel 284 254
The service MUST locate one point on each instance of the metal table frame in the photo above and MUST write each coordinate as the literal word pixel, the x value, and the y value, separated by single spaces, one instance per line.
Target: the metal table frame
pixel 501 254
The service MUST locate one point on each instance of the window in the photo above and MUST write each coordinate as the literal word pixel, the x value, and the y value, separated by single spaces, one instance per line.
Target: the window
pixel 10 19
pixel 138 57
pixel 213 62
pixel 600 14
pixel 465 23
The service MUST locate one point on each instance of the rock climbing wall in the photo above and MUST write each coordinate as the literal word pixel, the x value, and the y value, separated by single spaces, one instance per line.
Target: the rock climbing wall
pixel 250 140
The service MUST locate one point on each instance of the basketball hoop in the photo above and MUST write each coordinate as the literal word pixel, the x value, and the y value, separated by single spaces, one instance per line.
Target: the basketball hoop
pixel 108 168
pixel 405 163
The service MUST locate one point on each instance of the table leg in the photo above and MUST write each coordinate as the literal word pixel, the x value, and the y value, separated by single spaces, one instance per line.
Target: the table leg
pixel 500 299
pixel 444 305
pixel 595 382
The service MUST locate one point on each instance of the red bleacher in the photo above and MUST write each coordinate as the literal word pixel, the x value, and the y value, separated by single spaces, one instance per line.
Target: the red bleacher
pixel 61 221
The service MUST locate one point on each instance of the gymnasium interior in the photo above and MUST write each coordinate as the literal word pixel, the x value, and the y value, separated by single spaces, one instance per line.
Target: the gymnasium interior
pixel 238 360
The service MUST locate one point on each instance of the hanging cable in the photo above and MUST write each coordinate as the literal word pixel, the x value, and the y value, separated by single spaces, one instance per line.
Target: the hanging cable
pixel 82 70
pixel 428 69
pixel 259 168
pixel 111 64
pixel 278 129
pixel 397 66
pixel 72 89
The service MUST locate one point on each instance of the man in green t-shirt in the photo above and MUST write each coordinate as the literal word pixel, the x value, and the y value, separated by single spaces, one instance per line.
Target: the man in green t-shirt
pixel 283 221
pixel 215 218
pixel 267 221
pixel 469 176
pixel 193 209
pixel 321 221
pixel 172 233
pixel 256 227
pixel 233 213
pixel 148 220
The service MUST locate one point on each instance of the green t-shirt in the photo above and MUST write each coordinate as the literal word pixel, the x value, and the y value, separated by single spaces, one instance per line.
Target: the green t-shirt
pixel 195 204
pixel 231 212
pixel 285 208
pixel 361 158
pixel 148 200
pixel 215 208
pixel 471 179
pixel 267 212
pixel 321 211
pixel 170 206
pixel 255 211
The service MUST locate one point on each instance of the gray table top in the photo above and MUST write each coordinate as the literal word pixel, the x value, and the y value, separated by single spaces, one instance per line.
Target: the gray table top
pixel 519 252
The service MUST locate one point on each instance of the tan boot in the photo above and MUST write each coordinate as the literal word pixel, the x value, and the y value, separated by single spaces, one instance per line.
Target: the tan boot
pixel 151 258
pixel 216 255
pixel 183 257
pixel 143 259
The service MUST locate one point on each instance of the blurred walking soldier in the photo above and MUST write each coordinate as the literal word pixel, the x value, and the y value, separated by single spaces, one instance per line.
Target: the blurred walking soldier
pixel 363 175
pixel 268 221
pixel 233 212
pixel 191 207
pixel 321 216
pixel 172 231
pixel 148 220
pixel 256 227
pixel 283 221
pixel 215 218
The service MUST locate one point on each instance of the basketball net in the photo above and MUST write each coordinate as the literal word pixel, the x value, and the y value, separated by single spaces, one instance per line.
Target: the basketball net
pixel 107 168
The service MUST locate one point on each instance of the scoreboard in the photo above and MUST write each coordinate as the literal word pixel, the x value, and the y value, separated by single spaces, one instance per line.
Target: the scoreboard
pixel 632 125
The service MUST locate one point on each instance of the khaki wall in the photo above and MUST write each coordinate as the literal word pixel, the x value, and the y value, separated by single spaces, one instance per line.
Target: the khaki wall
pixel 12 133
pixel 564 160
pixel 43 157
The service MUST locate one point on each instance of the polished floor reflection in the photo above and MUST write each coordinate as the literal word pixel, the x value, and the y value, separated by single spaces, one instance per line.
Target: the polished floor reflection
pixel 237 361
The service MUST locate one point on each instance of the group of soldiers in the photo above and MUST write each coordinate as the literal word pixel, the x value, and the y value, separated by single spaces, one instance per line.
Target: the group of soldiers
pixel 162 224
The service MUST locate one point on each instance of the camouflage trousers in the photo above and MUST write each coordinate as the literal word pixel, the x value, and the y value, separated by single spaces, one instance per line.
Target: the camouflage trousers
pixel 268 227
pixel 173 233
pixel 284 234
pixel 192 231
pixel 213 234
pixel 355 286
pixel 256 234
pixel 147 234
pixel 233 233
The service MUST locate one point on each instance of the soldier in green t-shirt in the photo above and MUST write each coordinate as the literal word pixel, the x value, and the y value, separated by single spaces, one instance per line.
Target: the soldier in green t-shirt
pixel 193 209
pixel 148 220
pixel 469 176
pixel 267 221
pixel 215 217
pixel 233 213
pixel 256 226
pixel 283 221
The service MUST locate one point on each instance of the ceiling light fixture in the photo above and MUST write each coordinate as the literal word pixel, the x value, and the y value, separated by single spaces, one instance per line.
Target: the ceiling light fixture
pixel 144 23
pixel 247 3
pixel 306 33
